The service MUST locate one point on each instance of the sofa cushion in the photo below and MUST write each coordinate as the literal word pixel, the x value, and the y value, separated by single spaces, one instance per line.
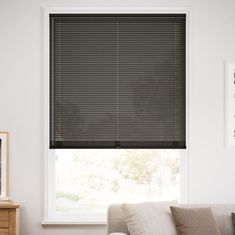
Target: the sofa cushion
pixel 221 212
pixel 233 221
pixel 149 218
pixel 193 221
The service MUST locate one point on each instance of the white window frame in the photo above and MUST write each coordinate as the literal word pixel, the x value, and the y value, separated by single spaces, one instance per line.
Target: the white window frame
pixel 48 161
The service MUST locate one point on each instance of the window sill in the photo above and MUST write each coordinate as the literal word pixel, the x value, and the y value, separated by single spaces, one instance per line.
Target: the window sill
pixel 48 222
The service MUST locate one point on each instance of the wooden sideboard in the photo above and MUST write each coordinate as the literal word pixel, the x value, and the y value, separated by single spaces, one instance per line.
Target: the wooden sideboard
pixel 9 218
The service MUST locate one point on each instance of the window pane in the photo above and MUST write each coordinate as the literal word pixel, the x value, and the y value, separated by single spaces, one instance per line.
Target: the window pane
pixel 88 180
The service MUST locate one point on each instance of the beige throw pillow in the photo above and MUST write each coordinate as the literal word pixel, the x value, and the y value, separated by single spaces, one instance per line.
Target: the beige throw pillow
pixel 194 221
pixel 149 218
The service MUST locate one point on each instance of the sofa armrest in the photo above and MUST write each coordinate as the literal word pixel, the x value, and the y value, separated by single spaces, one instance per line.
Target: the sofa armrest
pixel 117 234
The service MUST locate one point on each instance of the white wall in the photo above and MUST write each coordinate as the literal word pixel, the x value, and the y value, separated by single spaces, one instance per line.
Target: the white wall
pixel 211 167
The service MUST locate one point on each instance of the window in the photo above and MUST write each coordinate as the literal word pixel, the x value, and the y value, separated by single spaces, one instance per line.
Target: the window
pixel 88 180
pixel 116 112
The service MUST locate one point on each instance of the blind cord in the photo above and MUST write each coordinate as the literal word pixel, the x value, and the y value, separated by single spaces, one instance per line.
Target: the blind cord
pixel 117 43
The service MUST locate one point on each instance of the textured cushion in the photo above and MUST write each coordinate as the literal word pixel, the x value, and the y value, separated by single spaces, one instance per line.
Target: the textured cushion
pixel 149 218
pixel 233 221
pixel 194 221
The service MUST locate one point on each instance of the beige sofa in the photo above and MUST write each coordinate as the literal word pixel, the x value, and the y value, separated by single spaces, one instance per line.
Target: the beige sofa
pixel 221 212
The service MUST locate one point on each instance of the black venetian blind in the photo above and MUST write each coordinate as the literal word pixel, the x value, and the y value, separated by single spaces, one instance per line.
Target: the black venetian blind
pixel 117 81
